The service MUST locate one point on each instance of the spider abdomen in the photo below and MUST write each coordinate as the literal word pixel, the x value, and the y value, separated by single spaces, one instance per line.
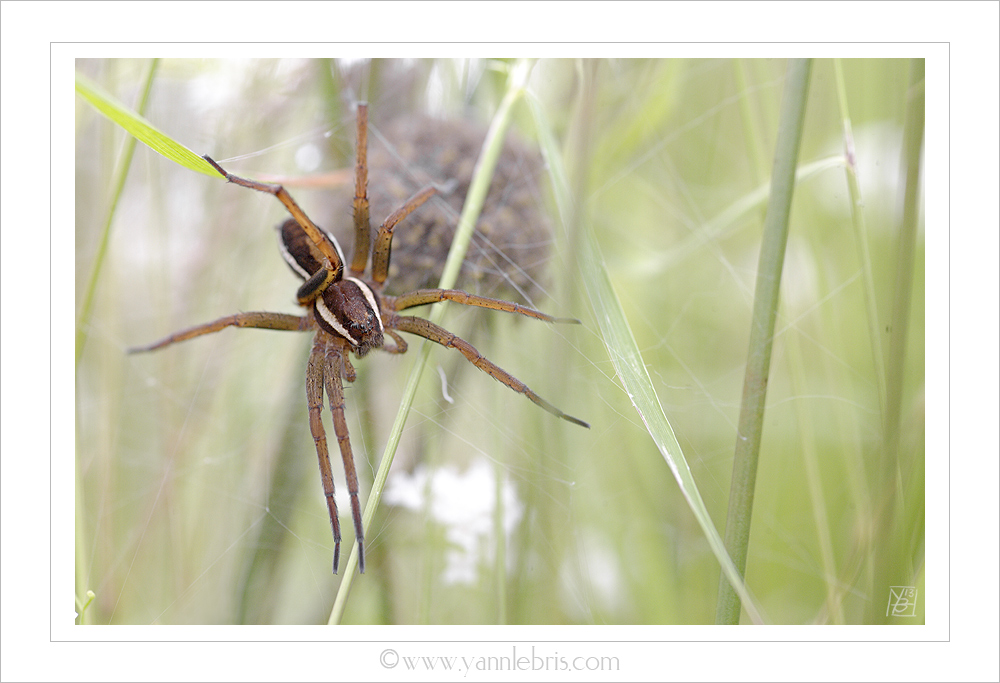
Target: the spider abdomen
pixel 350 309
pixel 304 257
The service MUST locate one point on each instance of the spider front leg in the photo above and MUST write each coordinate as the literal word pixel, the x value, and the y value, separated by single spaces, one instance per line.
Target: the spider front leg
pixel 362 223
pixel 383 240
pixel 328 367
pixel 333 260
pixel 362 220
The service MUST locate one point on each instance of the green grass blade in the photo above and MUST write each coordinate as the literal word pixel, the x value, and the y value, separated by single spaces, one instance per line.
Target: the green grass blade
pixel 137 126
pixel 628 362
pixel 861 236
pixel 83 321
pixel 765 312
pixel 891 513
pixel 631 370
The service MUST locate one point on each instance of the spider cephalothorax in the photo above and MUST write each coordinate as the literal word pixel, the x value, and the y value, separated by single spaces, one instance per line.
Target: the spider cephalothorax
pixel 350 314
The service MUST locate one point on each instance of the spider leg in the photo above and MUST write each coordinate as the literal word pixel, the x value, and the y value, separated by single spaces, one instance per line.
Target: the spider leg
pixel 318 237
pixel 421 297
pixel 436 333
pixel 336 352
pixel 315 375
pixel 262 320
pixel 383 241
pixel 362 222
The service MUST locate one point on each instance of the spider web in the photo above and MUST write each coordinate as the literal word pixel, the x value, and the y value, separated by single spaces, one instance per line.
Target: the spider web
pixel 201 502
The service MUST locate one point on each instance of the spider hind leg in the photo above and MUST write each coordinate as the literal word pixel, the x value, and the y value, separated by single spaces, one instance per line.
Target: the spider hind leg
pixel 336 365
pixel 315 376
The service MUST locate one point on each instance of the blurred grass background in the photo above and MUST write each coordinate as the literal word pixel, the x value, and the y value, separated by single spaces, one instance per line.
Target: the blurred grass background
pixel 198 495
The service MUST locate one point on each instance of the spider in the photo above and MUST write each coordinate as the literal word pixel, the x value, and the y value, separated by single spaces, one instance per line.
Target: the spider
pixel 351 314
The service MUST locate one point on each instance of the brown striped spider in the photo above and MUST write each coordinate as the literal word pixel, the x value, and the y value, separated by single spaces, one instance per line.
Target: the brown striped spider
pixel 352 315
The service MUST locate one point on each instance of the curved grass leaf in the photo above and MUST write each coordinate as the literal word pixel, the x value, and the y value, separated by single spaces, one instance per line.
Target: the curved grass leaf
pixel 624 353
pixel 137 126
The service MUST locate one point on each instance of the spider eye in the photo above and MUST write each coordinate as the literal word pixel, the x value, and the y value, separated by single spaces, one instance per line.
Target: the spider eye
pixel 301 254
pixel 350 309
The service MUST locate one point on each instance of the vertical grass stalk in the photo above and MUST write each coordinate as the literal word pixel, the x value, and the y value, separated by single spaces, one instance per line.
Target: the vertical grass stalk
pixel 125 163
pixel 613 322
pixel 889 538
pixel 861 237
pixel 765 310
pixel 83 320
